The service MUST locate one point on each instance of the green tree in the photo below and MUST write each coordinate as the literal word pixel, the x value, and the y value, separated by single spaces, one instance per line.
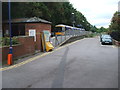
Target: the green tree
pixel 56 12
pixel 114 28
pixel 115 22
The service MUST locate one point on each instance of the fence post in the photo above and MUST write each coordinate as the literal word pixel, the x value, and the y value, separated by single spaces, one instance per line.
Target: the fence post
pixel 55 40
pixel 65 35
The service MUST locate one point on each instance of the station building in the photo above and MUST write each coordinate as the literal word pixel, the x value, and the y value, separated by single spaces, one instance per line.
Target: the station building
pixel 27 27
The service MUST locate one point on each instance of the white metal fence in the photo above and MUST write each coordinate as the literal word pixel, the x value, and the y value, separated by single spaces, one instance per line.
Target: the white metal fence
pixel 57 40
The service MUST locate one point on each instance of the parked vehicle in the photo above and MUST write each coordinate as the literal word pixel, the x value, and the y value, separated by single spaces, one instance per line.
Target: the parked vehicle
pixel 106 39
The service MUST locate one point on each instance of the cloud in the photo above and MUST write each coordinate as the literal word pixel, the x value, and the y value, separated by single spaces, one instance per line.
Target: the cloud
pixel 97 12
pixel 101 22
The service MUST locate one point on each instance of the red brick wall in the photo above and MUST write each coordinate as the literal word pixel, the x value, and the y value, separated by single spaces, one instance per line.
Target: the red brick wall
pixel 39 27
pixel 16 50
pixel 27 46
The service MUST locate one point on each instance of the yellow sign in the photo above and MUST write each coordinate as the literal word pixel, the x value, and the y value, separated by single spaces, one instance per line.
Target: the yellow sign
pixel 48 46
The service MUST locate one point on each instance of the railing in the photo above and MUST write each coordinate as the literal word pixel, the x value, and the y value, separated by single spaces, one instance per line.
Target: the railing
pixel 57 40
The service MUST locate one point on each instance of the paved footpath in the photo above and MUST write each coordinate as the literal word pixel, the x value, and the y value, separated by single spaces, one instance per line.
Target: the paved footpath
pixel 84 64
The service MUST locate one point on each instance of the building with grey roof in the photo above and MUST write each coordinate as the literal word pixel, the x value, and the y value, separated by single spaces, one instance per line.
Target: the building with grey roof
pixel 24 26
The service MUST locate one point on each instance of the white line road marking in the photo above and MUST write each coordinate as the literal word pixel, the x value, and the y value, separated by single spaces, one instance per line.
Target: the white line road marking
pixel 112 46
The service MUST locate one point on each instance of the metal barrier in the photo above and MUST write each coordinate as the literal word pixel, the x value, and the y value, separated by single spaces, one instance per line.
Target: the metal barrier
pixel 57 40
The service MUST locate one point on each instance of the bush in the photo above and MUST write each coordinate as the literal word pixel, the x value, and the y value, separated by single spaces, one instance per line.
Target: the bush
pixel 115 35
pixel 6 41
pixel 92 35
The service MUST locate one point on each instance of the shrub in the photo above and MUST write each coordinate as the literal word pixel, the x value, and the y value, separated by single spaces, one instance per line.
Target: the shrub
pixel 92 35
pixel 6 41
pixel 115 35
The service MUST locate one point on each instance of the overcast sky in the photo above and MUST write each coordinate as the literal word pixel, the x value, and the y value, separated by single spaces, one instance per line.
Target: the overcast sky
pixel 97 12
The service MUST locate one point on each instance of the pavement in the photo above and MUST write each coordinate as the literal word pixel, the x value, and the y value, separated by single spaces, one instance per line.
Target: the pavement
pixel 83 64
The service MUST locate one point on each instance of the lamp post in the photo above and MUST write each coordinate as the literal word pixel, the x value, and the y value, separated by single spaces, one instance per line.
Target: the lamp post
pixel 73 19
pixel 10 48
pixel 73 22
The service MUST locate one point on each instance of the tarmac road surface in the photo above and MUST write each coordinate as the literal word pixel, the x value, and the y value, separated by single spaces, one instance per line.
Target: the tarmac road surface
pixel 84 64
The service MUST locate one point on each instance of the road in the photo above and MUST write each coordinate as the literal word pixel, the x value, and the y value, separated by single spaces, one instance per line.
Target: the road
pixel 84 64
